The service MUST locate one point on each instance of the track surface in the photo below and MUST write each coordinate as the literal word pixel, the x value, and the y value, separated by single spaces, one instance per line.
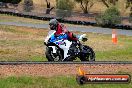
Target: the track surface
pixel 73 28
pixel 41 62
pixel 50 70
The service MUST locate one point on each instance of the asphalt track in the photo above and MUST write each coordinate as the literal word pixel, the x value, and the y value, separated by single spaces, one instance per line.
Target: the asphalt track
pixel 73 28
pixel 44 62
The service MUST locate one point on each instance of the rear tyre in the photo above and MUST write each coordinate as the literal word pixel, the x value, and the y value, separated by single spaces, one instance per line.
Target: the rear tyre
pixel 58 56
pixel 70 58
pixel 87 54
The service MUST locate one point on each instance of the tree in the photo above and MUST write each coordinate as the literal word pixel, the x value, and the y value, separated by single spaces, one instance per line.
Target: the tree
pixel 108 3
pixel 64 8
pixel 49 8
pixel 28 5
pixel 85 5
pixel 110 17
pixel 129 5
pixel 124 4
pixel 64 4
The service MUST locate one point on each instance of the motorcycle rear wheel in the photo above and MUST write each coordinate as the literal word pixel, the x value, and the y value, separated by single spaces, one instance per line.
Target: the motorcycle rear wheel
pixel 88 55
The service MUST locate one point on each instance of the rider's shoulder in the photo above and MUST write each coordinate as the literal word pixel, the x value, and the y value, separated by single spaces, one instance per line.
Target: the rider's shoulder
pixel 62 25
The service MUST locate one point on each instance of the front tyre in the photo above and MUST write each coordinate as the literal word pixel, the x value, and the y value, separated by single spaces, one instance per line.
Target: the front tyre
pixel 53 56
pixel 87 54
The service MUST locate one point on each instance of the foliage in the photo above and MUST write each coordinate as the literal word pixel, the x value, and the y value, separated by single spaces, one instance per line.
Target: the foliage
pixel 109 18
pixel 28 5
pixel 11 1
pixel 64 8
pixel 108 3
pixel 128 4
pixel 85 5
pixel 64 4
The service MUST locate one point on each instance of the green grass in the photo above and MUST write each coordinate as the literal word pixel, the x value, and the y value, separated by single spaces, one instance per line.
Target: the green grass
pixel 13 30
pixel 20 42
pixel 38 58
pixel 120 54
pixel 9 18
pixel 51 82
pixel 26 44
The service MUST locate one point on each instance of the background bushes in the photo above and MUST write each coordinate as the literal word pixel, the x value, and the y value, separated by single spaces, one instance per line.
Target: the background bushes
pixel 28 5
pixel 109 18
pixel 64 8
pixel 11 1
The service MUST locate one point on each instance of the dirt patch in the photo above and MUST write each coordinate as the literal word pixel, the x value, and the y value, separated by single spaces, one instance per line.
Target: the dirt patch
pixel 49 70
pixel 82 18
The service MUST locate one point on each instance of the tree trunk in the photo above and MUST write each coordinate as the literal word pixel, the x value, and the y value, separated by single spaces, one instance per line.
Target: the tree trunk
pixel 106 4
pixel 84 8
pixel 48 10
pixel 131 11
pixel 5 5
pixel 85 11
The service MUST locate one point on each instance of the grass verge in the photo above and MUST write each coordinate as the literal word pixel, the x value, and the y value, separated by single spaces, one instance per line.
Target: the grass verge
pixel 26 44
pixel 52 82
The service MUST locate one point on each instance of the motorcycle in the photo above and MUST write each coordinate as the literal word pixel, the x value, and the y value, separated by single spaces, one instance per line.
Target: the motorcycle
pixel 60 48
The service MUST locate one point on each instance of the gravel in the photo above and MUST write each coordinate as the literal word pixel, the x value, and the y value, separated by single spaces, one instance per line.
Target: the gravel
pixel 50 70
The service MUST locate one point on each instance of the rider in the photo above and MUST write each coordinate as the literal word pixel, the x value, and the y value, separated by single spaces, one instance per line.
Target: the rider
pixel 60 28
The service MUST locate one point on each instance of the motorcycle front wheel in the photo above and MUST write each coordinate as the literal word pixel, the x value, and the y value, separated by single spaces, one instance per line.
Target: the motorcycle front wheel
pixel 53 56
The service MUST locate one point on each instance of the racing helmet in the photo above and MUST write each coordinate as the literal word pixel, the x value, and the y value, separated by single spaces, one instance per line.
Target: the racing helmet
pixel 53 24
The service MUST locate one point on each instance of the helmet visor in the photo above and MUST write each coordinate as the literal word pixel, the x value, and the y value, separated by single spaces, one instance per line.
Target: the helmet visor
pixel 52 27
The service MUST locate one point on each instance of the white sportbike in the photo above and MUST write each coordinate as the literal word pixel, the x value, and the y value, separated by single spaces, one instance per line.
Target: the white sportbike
pixel 60 48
